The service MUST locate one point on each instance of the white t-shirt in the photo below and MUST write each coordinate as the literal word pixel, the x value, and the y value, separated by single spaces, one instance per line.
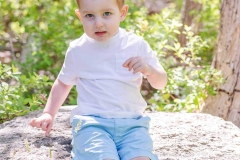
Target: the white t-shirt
pixel 105 88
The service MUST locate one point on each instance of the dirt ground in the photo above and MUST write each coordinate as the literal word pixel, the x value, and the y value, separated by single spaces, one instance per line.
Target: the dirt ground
pixel 176 136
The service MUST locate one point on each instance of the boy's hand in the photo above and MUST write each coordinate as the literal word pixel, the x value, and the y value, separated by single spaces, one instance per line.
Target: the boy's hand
pixel 138 64
pixel 44 122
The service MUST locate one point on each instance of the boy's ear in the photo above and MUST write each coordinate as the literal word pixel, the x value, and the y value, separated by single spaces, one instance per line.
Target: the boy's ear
pixel 124 12
pixel 77 12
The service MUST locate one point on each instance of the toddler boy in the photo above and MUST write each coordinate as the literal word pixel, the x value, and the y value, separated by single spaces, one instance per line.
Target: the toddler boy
pixel 106 64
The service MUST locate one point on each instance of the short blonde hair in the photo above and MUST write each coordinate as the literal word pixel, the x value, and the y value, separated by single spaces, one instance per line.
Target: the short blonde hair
pixel 119 2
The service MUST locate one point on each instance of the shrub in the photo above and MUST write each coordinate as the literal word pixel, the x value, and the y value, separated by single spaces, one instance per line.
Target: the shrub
pixel 19 93
pixel 190 76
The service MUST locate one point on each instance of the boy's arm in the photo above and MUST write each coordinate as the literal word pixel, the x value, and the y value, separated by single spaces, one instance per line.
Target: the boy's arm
pixel 56 98
pixel 58 94
pixel 156 76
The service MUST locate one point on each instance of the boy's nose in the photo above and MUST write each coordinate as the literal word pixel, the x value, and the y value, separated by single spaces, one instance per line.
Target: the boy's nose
pixel 98 23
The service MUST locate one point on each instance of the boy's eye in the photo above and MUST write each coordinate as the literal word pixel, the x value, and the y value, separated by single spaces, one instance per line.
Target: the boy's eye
pixel 89 15
pixel 106 14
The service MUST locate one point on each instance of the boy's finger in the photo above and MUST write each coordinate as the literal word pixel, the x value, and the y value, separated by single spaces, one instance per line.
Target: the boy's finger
pixel 138 69
pixel 44 125
pixel 134 63
pixel 126 63
pixel 38 123
pixel 49 127
pixel 32 123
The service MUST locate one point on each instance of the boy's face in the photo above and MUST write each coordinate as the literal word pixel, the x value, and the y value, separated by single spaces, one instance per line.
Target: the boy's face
pixel 101 18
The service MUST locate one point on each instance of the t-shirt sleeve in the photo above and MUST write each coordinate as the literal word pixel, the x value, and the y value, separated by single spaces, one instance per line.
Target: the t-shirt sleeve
pixel 67 74
pixel 149 55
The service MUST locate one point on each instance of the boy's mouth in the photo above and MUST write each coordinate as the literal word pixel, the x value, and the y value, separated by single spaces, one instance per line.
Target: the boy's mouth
pixel 100 33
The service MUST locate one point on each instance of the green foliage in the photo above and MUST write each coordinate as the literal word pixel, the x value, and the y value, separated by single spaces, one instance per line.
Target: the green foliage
pixel 52 24
pixel 187 89
pixel 45 27
pixel 19 93
pixel 208 20
pixel 190 77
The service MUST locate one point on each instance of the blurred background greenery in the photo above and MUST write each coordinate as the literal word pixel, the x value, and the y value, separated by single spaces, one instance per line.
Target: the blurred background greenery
pixel 34 36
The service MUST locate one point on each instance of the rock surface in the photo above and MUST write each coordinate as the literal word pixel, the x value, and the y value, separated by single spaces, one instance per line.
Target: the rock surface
pixel 176 136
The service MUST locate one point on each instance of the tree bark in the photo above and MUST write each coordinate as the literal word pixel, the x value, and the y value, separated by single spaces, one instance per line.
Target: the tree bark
pixel 226 103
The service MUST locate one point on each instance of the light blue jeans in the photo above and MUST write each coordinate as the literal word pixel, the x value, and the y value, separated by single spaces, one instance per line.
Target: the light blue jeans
pixel 96 138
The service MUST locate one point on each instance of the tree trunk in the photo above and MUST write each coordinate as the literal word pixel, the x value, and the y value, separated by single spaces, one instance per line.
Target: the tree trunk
pixel 187 18
pixel 226 103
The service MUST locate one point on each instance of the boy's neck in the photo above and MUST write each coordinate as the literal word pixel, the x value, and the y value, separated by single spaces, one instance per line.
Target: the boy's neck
pixel 110 40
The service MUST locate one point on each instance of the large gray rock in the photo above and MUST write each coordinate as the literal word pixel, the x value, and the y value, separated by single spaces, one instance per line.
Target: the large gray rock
pixel 177 136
